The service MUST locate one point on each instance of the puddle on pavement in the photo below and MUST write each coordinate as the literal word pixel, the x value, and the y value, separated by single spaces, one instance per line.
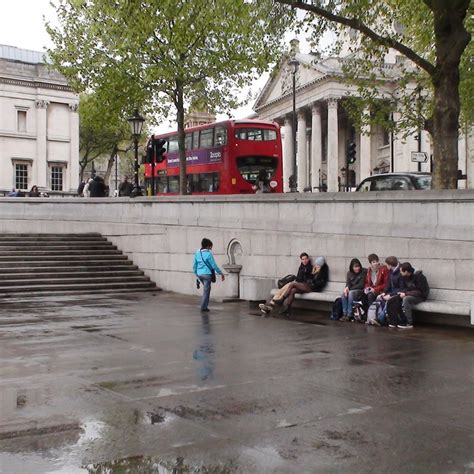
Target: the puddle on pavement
pixel 155 465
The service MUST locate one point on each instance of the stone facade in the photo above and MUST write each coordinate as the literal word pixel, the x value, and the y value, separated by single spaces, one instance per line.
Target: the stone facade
pixel 324 130
pixel 265 234
pixel 39 124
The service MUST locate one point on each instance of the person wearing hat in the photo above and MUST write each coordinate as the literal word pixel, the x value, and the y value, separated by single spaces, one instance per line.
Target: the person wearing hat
pixel 315 282
pixel 415 289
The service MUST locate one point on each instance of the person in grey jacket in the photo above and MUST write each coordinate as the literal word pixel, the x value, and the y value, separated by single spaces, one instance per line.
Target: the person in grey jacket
pixel 354 288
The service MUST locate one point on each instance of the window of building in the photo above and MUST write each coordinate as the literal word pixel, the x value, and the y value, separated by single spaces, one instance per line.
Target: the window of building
pixel 57 178
pixel 21 176
pixel 21 121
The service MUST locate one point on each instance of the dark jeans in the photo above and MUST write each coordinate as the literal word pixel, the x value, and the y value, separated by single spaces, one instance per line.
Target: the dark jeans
pixel 400 311
pixel 206 287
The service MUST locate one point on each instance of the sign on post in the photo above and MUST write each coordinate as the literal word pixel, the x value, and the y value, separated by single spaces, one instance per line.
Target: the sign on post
pixel 419 157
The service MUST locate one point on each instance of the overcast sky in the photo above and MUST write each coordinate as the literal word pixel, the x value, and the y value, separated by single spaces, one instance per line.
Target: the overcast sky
pixel 22 25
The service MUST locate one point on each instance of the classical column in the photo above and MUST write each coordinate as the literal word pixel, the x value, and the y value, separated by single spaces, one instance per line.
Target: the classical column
pixel 316 146
pixel 365 150
pixel 301 158
pixel 287 154
pixel 333 149
pixel 73 167
pixel 41 160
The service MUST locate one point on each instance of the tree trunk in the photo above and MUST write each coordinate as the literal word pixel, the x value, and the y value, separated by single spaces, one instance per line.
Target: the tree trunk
pixel 181 142
pixel 451 41
pixel 110 163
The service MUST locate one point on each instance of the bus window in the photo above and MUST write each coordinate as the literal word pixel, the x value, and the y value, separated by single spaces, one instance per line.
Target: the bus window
pixel 162 184
pixel 207 138
pixel 203 182
pixel 173 184
pixel 195 140
pixel 173 144
pixel 188 141
pixel 220 137
pixel 255 134
pixel 249 166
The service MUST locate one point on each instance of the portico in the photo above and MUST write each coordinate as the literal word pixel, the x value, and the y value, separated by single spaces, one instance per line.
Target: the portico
pixel 324 128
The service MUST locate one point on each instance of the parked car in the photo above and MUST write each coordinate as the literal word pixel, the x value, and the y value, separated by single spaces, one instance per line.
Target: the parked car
pixel 396 182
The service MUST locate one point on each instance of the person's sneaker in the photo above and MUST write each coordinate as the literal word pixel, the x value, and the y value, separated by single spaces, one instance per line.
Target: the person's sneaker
pixel 392 326
pixel 264 308
pixel 205 310
pixel 405 326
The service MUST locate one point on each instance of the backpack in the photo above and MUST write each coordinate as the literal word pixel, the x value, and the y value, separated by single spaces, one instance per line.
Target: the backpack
pixel 336 312
pixel 376 313
pixel 285 280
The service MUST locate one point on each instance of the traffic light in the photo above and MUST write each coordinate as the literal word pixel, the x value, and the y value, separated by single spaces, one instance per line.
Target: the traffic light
pixel 159 146
pixel 351 153
pixel 149 151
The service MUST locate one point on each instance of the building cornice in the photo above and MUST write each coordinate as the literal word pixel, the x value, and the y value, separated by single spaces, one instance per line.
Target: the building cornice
pixel 35 84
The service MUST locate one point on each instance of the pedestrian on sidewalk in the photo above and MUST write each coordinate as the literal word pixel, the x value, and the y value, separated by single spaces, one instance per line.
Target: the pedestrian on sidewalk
pixel 205 269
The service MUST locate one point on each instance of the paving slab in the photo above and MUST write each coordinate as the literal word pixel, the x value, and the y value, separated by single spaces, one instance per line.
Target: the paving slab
pixel 146 383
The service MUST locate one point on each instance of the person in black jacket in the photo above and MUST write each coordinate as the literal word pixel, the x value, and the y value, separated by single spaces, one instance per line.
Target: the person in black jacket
pixel 354 288
pixel 304 273
pixel 414 290
pixel 317 281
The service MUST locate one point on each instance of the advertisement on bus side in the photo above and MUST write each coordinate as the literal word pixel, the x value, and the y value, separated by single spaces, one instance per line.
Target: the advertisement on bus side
pixel 197 157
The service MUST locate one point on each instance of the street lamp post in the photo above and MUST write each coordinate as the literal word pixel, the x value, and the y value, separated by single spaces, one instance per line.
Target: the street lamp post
pixel 293 180
pixel 136 125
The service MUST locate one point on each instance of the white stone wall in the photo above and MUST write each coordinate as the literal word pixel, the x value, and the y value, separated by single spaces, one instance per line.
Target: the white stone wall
pixel 433 230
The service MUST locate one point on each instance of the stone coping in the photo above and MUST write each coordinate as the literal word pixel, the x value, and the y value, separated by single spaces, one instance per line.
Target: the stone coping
pixel 459 195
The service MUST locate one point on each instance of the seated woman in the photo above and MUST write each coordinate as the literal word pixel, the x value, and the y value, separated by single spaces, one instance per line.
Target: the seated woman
pixel 354 288
pixel 315 282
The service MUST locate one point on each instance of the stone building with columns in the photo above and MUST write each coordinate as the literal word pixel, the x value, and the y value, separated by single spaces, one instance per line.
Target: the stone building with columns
pixel 39 124
pixel 324 129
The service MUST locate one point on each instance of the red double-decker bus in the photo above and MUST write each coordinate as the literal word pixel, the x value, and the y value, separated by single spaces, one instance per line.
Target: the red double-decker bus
pixel 221 158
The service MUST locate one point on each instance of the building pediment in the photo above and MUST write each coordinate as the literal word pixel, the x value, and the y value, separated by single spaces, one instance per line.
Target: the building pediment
pixel 311 68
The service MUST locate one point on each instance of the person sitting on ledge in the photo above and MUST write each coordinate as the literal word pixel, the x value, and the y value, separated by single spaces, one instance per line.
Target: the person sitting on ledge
pixel 304 273
pixel 315 283
pixel 415 289
pixel 354 288
pixel 376 281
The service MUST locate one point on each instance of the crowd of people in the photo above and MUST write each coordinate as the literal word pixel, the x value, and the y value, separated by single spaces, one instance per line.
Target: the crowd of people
pixel 382 295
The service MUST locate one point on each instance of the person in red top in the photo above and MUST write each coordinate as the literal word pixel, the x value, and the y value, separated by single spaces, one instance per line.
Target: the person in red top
pixel 376 281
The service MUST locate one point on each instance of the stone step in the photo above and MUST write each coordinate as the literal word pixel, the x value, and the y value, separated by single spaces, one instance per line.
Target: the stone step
pixel 53 251
pixel 54 258
pixel 70 267
pixel 52 238
pixel 46 289
pixel 87 278
pixel 41 274
pixel 26 295
pixel 15 264
pixel 54 247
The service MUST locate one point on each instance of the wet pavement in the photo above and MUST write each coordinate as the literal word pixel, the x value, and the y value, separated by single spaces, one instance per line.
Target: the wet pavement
pixel 145 383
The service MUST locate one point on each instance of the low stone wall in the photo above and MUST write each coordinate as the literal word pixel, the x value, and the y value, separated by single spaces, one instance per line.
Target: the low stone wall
pixel 433 230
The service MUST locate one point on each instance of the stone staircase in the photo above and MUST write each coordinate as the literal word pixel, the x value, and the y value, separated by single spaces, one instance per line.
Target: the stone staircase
pixel 62 264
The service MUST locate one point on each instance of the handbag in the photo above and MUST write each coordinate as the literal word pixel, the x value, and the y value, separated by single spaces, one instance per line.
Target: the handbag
pixel 285 280
pixel 213 272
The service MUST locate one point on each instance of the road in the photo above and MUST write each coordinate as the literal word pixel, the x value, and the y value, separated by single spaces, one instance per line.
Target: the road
pixel 144 382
